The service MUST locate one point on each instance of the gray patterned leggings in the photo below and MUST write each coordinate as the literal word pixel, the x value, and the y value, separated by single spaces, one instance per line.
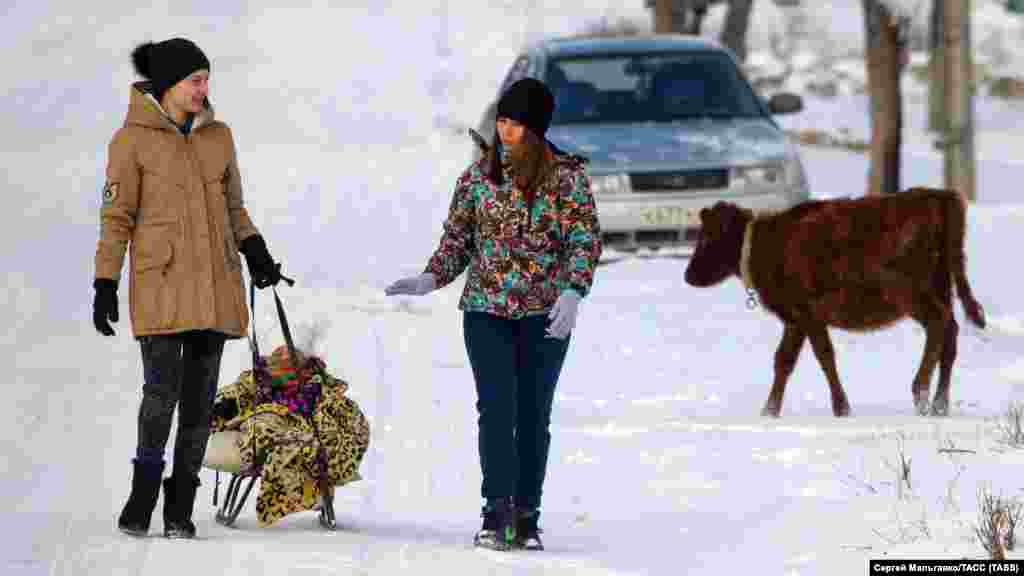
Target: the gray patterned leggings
pixel 181 370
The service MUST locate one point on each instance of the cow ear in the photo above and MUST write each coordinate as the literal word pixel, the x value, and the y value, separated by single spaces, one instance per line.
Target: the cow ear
pixel 704 212
pixel 736 216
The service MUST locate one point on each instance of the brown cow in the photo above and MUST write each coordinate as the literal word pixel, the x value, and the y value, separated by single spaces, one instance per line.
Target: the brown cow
pixel 855 264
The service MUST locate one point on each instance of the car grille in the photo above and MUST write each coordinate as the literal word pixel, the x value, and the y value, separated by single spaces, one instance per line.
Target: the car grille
pixel 675 181
pixel 656 236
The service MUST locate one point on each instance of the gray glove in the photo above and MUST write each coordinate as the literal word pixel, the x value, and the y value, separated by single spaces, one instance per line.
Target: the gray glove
pixel 413 285
pixel 563 315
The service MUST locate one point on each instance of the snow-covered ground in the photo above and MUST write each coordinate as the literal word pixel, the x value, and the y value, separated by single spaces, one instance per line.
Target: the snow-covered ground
pixel 660 463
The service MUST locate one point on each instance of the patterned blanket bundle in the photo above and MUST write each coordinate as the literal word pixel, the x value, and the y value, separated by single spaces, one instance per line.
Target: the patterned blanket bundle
pixel 284 417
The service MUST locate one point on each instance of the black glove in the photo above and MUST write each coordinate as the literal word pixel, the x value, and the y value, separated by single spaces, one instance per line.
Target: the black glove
pixel 262 269
pixel 104 305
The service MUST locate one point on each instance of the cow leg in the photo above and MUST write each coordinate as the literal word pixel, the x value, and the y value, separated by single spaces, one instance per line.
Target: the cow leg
pixel 925 305
pixel 785 359
pixel 826 355
pixel 940 404
pixel 928 310
pixel 942 287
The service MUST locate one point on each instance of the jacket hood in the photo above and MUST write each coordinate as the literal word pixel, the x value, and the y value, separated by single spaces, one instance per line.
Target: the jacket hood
pixel 145 110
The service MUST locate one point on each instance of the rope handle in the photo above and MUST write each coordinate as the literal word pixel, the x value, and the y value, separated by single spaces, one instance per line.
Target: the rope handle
pixel 255 347
pixel 293 356
pixel 253 344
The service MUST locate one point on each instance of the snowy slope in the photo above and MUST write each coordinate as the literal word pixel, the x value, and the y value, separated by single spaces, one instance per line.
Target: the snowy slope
pixel 660 463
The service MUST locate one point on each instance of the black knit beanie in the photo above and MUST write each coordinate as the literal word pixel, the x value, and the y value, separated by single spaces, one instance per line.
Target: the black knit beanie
pixel 167 63
pixel 529 102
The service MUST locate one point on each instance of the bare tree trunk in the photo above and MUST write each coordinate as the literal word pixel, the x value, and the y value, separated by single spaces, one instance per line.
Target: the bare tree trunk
pixel 734 32
pixel 682 16
pixel 698 11
pixel 937 120
pixel 688 16
pixel 663 16
pixel 959 164
pixel 884 52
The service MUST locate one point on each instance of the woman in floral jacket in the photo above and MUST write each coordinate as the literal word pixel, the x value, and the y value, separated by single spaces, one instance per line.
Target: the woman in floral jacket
pixel 523 221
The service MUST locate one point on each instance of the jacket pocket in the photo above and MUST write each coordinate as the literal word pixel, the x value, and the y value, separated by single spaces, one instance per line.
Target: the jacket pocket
pixel 215 175
pixel 154 294
pixel 154 243
pixel 215 191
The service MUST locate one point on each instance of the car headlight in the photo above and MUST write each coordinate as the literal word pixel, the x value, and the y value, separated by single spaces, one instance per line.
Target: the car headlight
pixel 610 185
pixel 760 175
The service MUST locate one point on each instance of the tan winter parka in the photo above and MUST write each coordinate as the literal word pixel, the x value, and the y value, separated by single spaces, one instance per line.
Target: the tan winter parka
pixel 174 203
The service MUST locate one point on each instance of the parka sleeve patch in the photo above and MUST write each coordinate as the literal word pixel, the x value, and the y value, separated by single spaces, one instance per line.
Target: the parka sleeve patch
pixel 119 204
pixel 109 193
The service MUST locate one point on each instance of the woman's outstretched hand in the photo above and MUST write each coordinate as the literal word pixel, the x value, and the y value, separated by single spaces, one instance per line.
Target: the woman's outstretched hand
pixel 413 285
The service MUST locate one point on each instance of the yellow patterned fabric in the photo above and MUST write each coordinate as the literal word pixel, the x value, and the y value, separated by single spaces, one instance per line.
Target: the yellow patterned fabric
pixel 283 445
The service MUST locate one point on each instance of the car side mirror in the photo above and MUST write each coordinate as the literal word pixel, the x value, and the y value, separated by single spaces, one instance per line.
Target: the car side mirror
pixel 785 103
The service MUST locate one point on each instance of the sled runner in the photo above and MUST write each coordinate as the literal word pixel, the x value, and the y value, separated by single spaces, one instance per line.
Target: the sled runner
pixel 223 456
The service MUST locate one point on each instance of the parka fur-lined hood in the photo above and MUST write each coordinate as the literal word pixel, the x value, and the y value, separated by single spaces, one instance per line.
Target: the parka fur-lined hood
pixel 145 110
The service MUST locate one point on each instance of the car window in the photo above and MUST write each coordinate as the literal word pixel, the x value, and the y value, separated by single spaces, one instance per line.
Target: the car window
pixel 651 87
pixel 517 72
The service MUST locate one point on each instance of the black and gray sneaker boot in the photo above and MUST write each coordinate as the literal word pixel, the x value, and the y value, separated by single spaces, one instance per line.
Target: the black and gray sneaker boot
pixel 137 512
pixel 499 528
pixel 179 496
pixel 527 531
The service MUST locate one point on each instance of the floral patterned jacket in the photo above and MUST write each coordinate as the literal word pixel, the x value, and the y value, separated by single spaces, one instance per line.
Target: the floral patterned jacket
pixel 518 267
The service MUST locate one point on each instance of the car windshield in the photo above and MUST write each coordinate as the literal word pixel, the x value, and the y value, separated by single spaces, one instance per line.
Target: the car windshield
pixel 655 87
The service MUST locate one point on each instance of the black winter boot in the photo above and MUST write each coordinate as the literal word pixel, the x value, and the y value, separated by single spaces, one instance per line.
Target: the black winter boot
pixel 499 529
pixel 527 530
pixel 179 496
pixel 138 511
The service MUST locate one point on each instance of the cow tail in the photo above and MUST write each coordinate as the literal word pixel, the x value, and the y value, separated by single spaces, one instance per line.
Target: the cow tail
pixel 956 223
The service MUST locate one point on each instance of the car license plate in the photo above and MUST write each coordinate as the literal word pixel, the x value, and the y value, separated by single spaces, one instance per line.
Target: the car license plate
pixel 674 216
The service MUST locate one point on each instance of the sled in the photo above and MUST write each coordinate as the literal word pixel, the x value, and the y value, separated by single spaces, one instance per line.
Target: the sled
pixel 223 456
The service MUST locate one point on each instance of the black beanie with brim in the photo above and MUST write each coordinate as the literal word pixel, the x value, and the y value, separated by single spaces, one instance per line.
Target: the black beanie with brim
pixel 167 63
pixel 529 102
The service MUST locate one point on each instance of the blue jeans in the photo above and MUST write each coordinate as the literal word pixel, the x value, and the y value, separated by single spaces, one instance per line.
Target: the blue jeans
pixel 516 369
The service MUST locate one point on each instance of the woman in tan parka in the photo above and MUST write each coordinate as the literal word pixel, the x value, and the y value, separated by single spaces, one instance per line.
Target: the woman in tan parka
pixel 173 202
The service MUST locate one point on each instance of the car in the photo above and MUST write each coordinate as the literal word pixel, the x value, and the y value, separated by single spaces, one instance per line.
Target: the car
pixel 670 124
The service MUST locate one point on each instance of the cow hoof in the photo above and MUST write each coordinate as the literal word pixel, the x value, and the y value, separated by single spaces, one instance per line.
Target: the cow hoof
pixel 770 410
pixel 939 409
pixel 841 412
pixel 921 406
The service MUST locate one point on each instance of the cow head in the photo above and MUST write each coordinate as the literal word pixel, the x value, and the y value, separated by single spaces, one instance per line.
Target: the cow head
pixel 719 244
